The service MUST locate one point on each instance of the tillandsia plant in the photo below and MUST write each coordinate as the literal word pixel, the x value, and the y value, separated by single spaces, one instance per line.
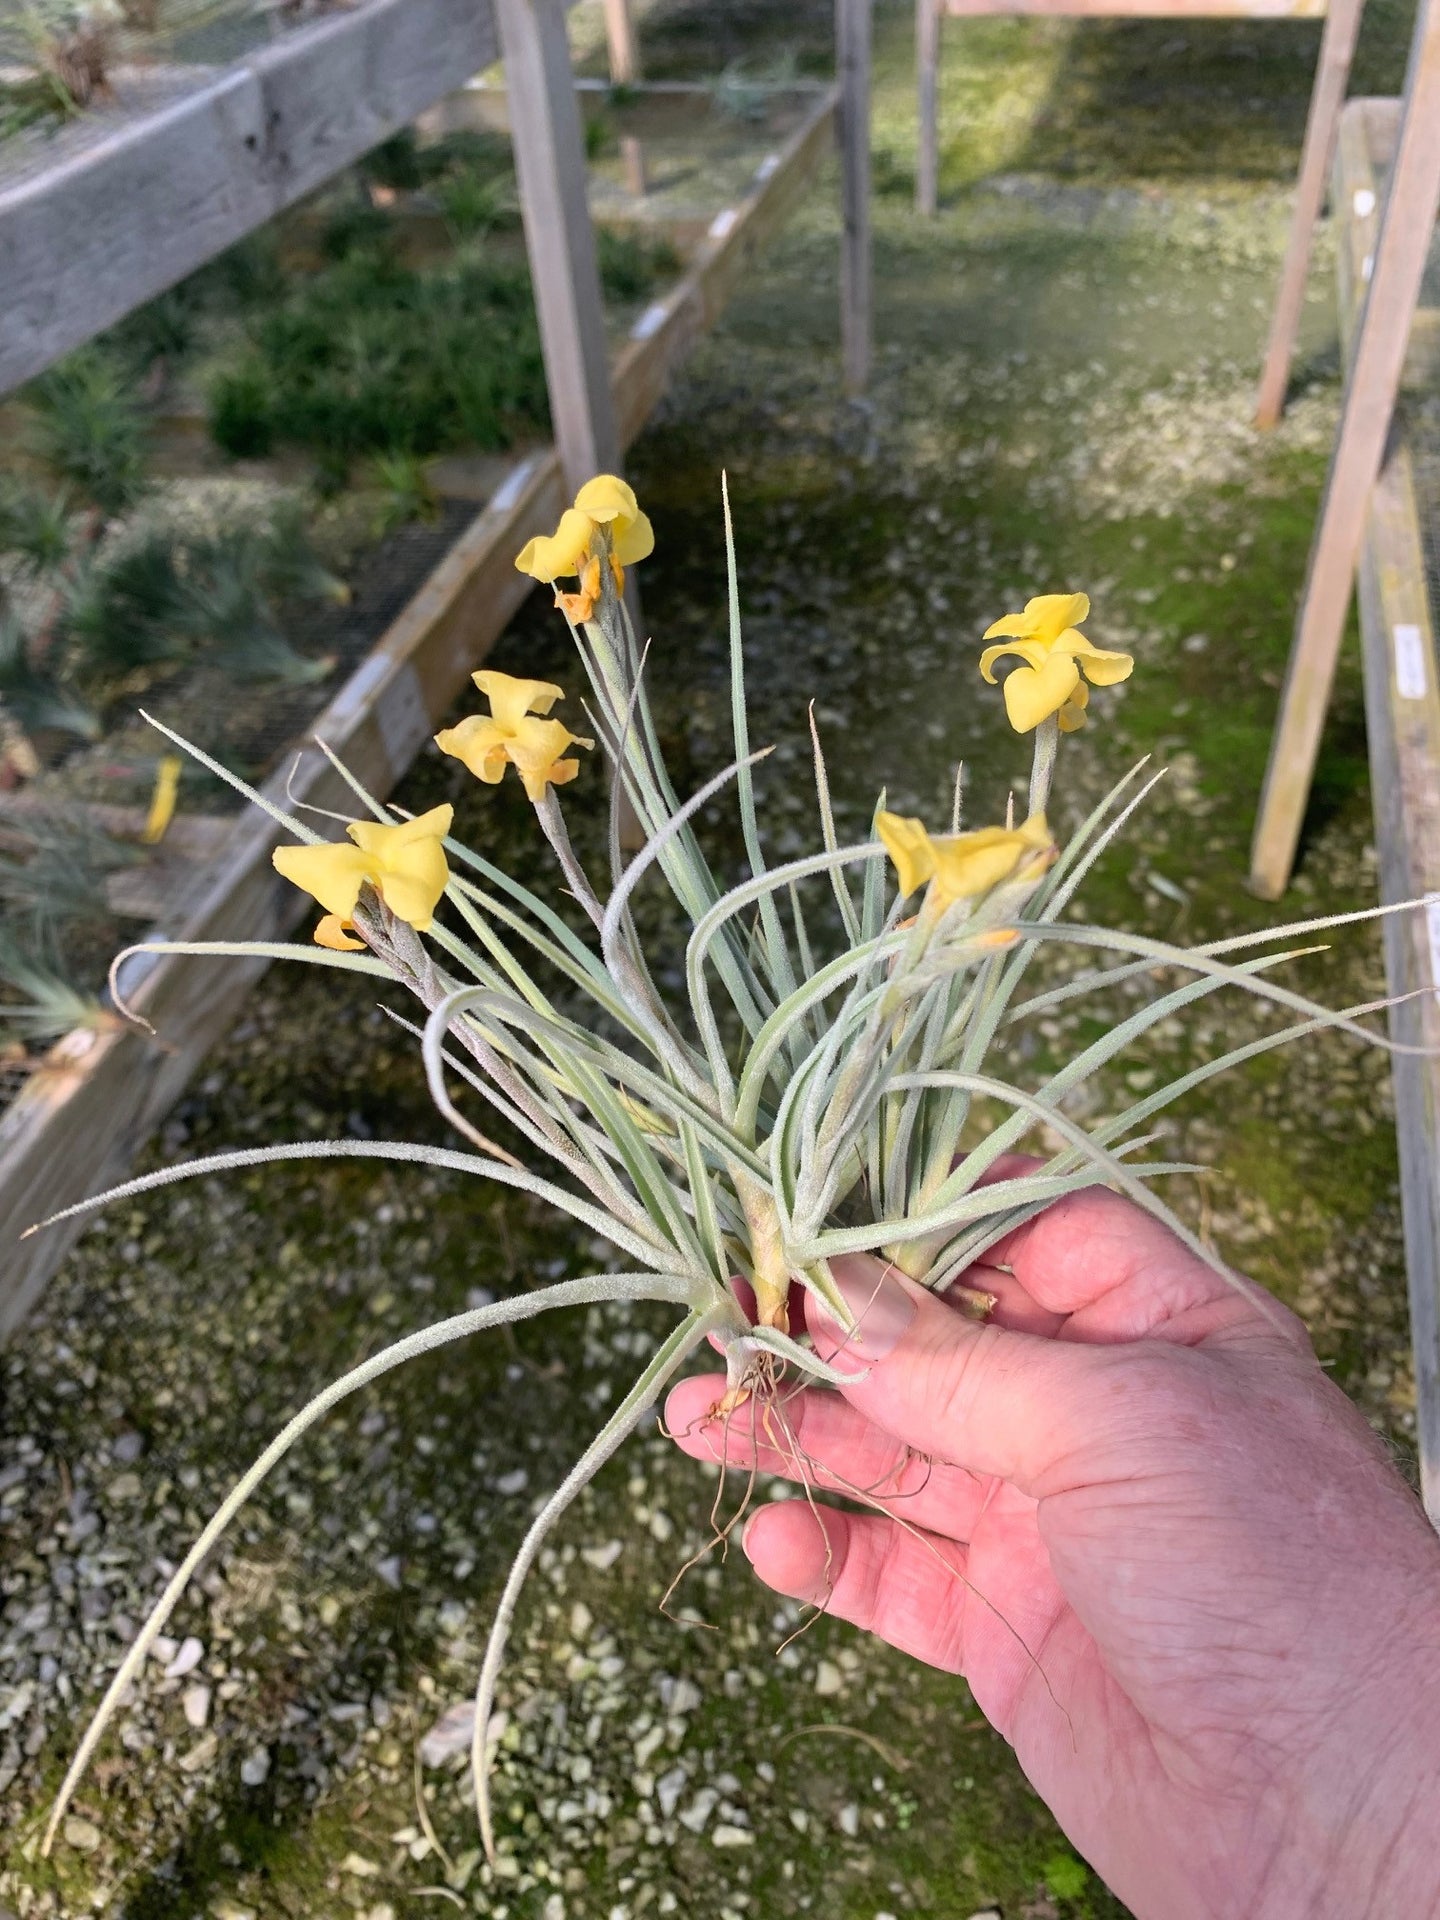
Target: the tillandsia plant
pixel 823 1086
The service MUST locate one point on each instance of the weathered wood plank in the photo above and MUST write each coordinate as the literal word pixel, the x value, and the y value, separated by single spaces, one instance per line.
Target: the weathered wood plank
pixel 550 165
pixel 1144 9
pixel 927 87
pixel 1332 76
pixel 1402 724
pixel 1411 201
pixel 115 220
pixel 852 66
pixel 622 43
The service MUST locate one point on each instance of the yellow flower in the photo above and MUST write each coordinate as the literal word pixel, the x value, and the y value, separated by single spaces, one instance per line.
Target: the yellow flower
pixel 1044 637
pixel 549 556
pixel 605 502
pixel 405 864
pixel 610 503
pixel 513 730
pixel 162 800
pixel 961 866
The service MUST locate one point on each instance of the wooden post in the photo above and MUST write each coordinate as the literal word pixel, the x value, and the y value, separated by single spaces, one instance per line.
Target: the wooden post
pixel 927 77
pixel 624 48
pixel 1411 202
pixel 1332 76
pixel 852 60
pixel 550 167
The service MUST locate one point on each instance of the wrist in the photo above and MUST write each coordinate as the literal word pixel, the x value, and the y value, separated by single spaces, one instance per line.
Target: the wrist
pixel 1358 1835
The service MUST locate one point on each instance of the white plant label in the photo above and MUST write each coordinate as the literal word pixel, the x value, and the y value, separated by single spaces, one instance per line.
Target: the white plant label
pixel 1411 680
pixel 1432 928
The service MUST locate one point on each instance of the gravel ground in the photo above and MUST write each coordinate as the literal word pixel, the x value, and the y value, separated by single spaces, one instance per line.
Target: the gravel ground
pixel 1060 399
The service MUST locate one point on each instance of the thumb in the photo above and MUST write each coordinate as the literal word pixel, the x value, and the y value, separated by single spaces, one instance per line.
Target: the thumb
pixel 1018 1405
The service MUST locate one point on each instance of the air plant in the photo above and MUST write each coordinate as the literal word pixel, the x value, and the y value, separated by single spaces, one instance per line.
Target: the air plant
pixel 90 430
pixel 821 1086
pixel 405 491
pixel 45 1005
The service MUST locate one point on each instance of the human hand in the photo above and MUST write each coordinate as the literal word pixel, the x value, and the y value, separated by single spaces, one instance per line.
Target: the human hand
pixel 1169 1556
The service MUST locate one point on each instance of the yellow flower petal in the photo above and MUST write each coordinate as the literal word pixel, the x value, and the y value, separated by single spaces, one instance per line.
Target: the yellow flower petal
pixel 1032 694
pixel 336 933
pixel 386 842
pixel 1072 714
pixel 1101 668
pixel 412 886
pixel 537 756
pixel 162 801
pixel 333 873
pixel 634 542
pixel 909 846
pixel 962 866
pixel 1045 618
pixel 969 864
pixel 1030 651
pixel 511 699
pixel 480 743
pixel 548 556
pixel 607 498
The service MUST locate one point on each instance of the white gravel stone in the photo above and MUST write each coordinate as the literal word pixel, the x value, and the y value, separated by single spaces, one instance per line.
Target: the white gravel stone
pixel 195 1702
pixel 848 1820
pixel 727 1836
pixel 82 1834
pixel 828 1678
pixel 255 1767
pixel 699 1810
pixel 188 1656
pixel 452 1733
pixel 604 1557
pixel 668 1789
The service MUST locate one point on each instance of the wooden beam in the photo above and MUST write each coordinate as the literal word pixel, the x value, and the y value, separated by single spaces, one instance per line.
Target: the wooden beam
pixel 1402 726
pixel 1376 361
pixel 623 43
pixel 1332 77
pixel 1142 9
pixel 927 81
pixel 117 210
pixel 550 166
pixel 852 62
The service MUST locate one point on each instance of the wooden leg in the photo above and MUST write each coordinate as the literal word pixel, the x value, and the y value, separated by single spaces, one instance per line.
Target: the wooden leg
pixel 1378 355
pixel 852 38
pixel 927 74
pixel 550 168
pixel 1332 75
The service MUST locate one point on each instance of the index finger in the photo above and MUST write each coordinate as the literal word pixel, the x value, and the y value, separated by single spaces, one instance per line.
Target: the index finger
pixel 1113 1270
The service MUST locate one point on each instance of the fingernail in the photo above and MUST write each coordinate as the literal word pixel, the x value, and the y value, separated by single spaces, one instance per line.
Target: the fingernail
pixel 879 1302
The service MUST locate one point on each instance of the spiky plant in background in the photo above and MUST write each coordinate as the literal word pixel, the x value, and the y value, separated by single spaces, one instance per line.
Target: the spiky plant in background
pixel 838 1077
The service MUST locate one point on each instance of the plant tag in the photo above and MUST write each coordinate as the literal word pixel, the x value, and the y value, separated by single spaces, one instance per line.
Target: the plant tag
pixel 650 321
pixel 402 717
pixel 1410 676
pixel 1432 928
pixel 512 486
